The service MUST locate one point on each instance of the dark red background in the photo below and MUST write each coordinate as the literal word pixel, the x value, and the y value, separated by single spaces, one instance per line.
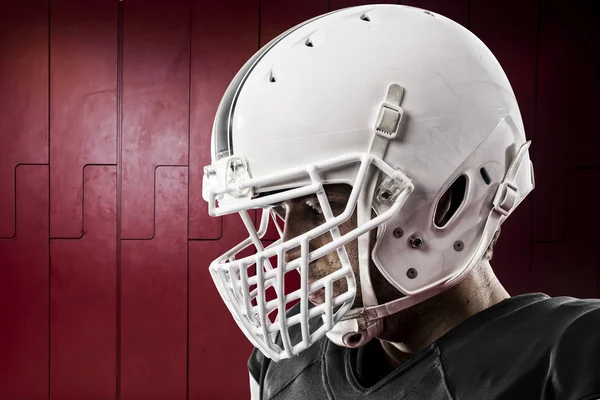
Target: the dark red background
pixel 105 116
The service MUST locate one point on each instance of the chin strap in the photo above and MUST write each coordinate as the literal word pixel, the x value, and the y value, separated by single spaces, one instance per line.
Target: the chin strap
pixel 361 325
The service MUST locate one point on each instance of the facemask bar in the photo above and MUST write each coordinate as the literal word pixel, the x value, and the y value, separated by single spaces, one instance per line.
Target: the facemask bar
pixel 240 289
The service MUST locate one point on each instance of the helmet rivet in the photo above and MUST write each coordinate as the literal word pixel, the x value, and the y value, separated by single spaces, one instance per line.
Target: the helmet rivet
pixel 398 233
pixel 210 170
pixel 415 241
pixel 256 320
pixel 386 195
pixel 459 245
pixel 412 273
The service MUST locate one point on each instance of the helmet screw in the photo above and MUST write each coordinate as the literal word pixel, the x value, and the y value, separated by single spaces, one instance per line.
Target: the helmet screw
pixel 256 320
pixel 412 273
pixel 415 241
pixel 386 195
pixel 459 245
pixel 398 233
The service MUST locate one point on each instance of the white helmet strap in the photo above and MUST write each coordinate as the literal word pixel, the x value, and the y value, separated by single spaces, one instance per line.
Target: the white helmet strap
pixel 357 328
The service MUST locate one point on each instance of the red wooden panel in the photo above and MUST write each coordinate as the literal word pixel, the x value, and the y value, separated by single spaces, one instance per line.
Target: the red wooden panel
pixel 457 10
pixel 154 298
pixel 278 16
pixel 218 350
pixel 337 4
pixel 567 100
pixel 24 292
pixel 216 338
pixel 583 207
pixel 515 46
pixel 83 294
pixel 572 266
pixel 156 61
pixel 224 36
pixel 23 97
pixel 565 269
pixel 83 82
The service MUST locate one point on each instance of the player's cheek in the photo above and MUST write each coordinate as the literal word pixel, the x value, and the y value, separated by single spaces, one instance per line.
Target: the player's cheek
pixel 340 287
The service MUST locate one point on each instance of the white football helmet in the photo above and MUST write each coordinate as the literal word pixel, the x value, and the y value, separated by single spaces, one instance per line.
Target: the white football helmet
pixel 400 103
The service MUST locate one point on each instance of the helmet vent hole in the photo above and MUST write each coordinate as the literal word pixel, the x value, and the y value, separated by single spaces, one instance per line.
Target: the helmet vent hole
pixel 365 17
pixel 450 202
pixel 271 77
pixel 485 176
pixel 308 43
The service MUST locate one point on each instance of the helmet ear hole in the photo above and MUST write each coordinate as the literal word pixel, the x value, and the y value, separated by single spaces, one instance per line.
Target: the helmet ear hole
pixel 450 202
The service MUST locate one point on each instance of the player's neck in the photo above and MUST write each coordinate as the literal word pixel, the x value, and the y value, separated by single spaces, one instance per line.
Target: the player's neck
pixel 427 322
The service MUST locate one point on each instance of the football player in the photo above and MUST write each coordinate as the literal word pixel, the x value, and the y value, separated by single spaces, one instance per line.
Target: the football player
pixel 384 147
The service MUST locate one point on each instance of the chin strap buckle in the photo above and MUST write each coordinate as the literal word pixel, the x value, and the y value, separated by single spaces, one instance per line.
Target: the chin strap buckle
pixel 389 120
pixel 506 198
pixel 390 113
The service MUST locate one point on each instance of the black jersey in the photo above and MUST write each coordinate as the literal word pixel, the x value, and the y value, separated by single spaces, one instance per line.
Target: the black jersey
pixel 526 347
